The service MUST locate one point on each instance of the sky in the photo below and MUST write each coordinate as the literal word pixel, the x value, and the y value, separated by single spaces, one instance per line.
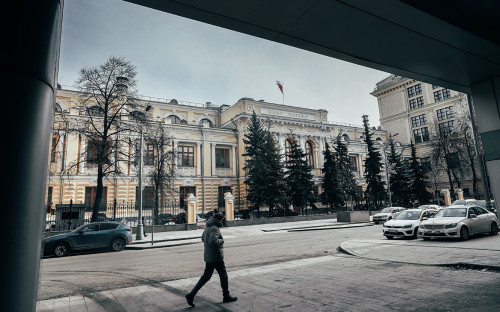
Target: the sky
pixel 179 58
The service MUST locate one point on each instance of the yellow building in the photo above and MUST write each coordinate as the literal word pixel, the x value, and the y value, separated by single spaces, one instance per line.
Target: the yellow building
pixel 208 141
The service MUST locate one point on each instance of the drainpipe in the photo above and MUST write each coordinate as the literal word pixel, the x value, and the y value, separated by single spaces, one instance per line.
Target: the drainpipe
pixel 202 174
pixel 237 135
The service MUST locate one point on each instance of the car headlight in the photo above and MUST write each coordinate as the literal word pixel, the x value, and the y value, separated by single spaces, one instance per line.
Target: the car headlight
pixel 451 226
pixel 407 226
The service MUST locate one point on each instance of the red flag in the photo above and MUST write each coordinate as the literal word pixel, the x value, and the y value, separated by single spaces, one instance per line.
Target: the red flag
pixel 280 85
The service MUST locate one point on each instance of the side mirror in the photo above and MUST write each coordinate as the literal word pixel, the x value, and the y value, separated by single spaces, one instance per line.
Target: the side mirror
pixel 472 216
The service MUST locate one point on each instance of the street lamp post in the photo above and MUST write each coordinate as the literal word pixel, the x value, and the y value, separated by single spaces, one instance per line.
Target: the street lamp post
pixel 140 225
pixel 387 178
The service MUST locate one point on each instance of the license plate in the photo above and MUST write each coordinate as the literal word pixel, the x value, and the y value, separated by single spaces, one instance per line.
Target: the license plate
pixel 436 232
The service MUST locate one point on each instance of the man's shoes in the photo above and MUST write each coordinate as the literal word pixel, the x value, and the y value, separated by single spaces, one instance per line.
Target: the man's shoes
pixel 229 299
pixel 189 299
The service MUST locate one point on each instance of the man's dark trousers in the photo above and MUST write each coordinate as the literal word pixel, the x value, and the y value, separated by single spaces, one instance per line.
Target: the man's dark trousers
pixel 209 270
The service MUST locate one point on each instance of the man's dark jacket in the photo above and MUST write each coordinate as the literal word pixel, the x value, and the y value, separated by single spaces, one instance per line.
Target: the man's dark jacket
pixel 213 241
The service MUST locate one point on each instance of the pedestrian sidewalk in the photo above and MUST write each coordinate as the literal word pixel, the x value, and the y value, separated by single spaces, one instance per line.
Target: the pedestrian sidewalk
pixel 479 252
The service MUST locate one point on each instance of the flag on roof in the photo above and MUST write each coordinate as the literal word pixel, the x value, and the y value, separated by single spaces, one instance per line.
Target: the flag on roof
pixel 280 85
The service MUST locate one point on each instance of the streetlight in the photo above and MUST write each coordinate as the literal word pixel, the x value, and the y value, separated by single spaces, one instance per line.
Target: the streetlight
pixel 387 171
pixel 140 226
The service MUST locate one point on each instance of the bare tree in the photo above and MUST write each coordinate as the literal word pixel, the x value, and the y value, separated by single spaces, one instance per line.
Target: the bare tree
pixel 108 94
pixel 161 157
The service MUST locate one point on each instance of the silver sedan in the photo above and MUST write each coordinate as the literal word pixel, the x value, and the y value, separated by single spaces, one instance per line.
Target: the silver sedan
pixel 459 222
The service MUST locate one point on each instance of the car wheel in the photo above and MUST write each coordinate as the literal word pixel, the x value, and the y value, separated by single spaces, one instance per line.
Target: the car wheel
pixel 117 244
pixel 494 229
pixel 415 233
pixel 464 233
pixel 390 237
pixel 426 238
pixel 375 222
pixel 61 249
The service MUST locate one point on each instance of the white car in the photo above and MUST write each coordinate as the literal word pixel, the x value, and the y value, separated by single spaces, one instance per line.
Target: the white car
pixel 459 222
pixel 386 214
pixel 406 223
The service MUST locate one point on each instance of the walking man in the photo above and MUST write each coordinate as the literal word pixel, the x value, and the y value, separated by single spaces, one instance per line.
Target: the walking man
pixel 214 259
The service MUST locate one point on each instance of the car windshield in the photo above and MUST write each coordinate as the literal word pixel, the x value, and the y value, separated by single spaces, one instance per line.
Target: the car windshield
pixel 408 215
pixel 451 213
pixel 386 210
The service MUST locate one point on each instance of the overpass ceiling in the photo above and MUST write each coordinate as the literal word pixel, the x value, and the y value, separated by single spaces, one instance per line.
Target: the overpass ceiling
pixel 452 43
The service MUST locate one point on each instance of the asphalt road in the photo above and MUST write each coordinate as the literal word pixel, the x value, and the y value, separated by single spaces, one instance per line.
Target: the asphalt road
pixel 89 272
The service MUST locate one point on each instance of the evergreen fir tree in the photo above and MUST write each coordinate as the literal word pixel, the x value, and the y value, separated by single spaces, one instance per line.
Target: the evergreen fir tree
pixel 419 184
pixel 299 178
pixel 375 188
pixel 347 181
pixel 330 182
pixel 255 174
pixel 400 177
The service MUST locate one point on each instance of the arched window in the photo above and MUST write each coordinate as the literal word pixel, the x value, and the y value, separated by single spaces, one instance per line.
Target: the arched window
pixel 95 111
pixel 345 137
pixel 309 154
pixel 174 119
pixel 184 122
pixel 288 150
pixel 206 120
pixel 379 140
pixel 137 115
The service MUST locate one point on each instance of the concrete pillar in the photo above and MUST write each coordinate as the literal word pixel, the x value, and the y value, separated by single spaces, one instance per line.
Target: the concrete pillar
pixel 486 102
pixel 191 208
pixel 447 197
pixel 229 201
pixel 28 74
pixel 321 149
pixel 460 194
pixel 213 159
pixel 316 158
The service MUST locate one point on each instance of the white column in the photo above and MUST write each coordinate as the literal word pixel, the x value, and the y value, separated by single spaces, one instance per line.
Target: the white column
pixel 234 160
pixel 302 143
pixel 82 156
pixel 321 148
pixel 281 140
pixel 213 159
pixel 176 159
pixel 198 158
pixel 359 166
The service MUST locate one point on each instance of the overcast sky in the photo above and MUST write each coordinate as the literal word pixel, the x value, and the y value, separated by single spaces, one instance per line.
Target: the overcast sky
pixel 178 58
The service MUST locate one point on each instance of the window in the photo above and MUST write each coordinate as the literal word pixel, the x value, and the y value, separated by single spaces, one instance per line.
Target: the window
pixel 57 108
pixel 437 96
pixel 95 111
pixel 184 192
pixel 174 119
pixel 90 193
pixel 186 156
pixel 452 160
pixel 411 92
pixel 416 103
pixel 53 150
pixel 419 120
pixel 309 154
pixel 418 89
pixel 414 90
pixel 92 152
pixel 221 203
pixel 421 135
pixel 206 120
pixel 435 87
pixel 426 163
pixel 450 113
pixel 137 115
pixel 150 155
pixel 446 127
pixel 49 199
pixel 148 197
pixel 446 94
pixel 222 158
pixel 354 163
pixel 445 113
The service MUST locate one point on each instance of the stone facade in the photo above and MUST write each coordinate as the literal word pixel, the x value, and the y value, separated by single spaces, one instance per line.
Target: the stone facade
pixel 204 132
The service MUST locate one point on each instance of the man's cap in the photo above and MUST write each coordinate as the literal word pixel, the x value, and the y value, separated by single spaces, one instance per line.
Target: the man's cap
pixel 218 216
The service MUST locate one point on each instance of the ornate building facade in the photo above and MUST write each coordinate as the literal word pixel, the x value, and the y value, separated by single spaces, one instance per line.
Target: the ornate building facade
pixel 208 142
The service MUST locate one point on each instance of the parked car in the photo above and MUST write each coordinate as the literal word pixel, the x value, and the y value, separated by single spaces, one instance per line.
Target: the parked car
pixel 406 223
pixel 387 214
pixel 431 206
pixel 482 203
pixel 463 202
pixel 459 222
pixel 108 234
